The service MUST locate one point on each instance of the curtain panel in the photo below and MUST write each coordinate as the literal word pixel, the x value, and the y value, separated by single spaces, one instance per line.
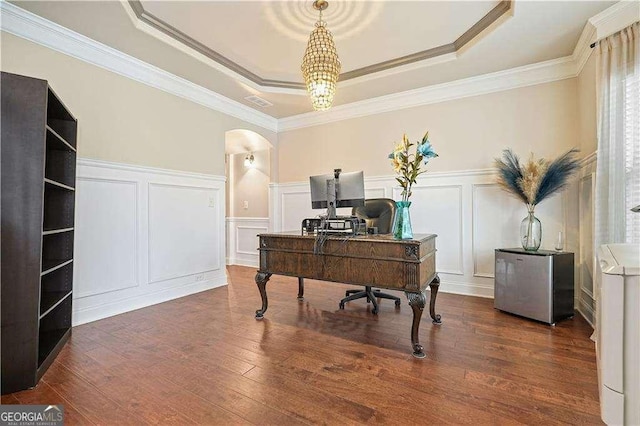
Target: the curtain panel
pixel 618 153
pixel 618 167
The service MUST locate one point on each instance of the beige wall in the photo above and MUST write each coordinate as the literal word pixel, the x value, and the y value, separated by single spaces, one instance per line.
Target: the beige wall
pixel 249 184
pixel 587 106
pixel 124 121
pixel 466 133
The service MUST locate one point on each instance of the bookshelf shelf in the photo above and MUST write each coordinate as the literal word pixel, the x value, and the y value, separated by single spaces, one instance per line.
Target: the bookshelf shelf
pixel 37 259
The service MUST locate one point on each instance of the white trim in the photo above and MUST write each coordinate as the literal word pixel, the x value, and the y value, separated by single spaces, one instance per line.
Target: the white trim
pixel 94 313
pixel 234 225
pixel 587 312
pixel 32 27
pixel 588 160
pixel 582 51
pixel 622 12
pixel 89 304
pixel 466 289
pixel 39 30
pixel 146 169
pixel 246 219
pixel 528 75
pixel 146 28
pixel 249 253
pixel 385 178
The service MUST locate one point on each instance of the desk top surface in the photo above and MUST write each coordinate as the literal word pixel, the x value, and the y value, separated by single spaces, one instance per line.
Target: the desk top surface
pixel 417 238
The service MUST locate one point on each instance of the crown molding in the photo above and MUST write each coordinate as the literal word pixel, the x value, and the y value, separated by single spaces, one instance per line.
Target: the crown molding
pixel 32 27
pixel 610 20
pixel 582 51
pixel 528 75
pixel 620 15
pixel 29 26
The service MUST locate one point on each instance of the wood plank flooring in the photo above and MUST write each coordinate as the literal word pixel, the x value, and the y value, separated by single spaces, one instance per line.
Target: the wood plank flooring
pixel 204 359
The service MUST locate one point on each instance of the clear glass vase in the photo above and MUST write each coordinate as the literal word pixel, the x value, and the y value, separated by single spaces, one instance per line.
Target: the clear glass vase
pixel 531 231
pixel 402 221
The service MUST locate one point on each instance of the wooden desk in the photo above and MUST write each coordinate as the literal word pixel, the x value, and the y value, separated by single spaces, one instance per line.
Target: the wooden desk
pixel 374 260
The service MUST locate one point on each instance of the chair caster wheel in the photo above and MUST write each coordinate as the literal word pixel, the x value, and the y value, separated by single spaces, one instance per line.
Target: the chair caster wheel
pixel 346 294
pixel 374 312
pixel 341 305
pixel 397 303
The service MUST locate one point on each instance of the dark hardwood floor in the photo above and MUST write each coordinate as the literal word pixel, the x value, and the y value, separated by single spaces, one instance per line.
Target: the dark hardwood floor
pixel 204 359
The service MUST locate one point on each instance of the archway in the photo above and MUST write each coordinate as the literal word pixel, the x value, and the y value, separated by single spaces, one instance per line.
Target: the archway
pixel 248 172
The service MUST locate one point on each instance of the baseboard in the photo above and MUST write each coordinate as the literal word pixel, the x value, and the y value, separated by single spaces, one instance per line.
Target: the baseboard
pixel 586 312
pixel 466 289
pixel 252 263
pixel 117 307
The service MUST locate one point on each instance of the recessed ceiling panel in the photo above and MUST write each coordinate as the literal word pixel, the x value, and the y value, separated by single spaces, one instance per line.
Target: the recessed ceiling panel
pixel 269 38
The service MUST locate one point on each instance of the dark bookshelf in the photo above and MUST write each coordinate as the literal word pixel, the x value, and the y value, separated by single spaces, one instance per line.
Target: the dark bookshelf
pixel 38 167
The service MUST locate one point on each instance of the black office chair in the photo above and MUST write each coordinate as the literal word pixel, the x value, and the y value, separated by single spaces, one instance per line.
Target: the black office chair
pixel 378 213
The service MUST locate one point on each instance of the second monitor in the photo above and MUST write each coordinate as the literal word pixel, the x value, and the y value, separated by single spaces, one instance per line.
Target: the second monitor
pixel 336 190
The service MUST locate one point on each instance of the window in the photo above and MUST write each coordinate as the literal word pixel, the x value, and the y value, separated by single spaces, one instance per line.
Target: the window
pixel 632 156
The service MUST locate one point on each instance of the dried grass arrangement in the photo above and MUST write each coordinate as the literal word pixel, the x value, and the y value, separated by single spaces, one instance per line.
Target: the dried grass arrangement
pixel 532 182
pixel 535 180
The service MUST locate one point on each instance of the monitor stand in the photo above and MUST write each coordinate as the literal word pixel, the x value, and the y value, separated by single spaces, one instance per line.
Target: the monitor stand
pixel 331 198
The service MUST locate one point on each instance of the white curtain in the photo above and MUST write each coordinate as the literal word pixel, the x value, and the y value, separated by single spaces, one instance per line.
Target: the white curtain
pixel 618 155
pixel 618 158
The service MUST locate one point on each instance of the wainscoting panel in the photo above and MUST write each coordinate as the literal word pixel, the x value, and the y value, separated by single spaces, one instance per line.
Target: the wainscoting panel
pixel 242 240
pixel 106 255
pixel 296 205
pixel 496 224
pixel 441 204
pixel 144 236
pixel 183 231
pixel 467 209
pixel 587 302
pixel 438 210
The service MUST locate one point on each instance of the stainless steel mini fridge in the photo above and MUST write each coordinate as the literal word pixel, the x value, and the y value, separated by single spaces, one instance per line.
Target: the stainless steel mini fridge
pixel 536 285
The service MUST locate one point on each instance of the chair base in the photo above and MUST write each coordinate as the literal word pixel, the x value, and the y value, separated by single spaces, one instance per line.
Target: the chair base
pixel 371 296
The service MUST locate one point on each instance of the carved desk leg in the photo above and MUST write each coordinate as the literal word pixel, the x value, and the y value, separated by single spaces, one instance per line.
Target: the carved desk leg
pixel 417 301
pixel 261 281
pixel 434 285
pixel 300 289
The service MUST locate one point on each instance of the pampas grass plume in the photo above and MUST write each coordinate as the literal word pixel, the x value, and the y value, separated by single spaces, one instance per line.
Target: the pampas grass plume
pixel 535 180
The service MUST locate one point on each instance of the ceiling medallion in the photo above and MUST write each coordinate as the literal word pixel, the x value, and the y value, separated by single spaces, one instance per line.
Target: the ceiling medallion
pixel 320 65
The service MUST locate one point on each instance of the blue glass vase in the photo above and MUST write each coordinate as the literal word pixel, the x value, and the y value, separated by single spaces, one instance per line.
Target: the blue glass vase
pixel 402 221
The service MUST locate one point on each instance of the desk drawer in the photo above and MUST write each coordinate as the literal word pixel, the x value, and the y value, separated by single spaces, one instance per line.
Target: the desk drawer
pixel 377 260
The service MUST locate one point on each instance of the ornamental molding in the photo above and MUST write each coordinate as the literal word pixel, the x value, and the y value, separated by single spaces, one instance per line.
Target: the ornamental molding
pixel 31 27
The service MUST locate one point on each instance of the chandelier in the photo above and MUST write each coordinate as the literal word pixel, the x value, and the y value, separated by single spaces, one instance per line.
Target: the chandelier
pixel 320 65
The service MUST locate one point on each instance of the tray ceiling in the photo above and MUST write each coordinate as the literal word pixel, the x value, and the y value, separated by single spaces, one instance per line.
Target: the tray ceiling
pixel 262 38
pixel 266 40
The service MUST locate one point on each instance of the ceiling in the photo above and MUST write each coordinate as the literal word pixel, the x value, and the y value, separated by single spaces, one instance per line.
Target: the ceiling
pixel 266 40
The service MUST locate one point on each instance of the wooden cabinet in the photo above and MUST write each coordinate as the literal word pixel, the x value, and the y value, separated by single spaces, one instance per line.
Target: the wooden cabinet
pixel 38 156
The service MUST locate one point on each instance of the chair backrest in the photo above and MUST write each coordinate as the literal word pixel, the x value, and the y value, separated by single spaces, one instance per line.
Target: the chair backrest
pixel 377 212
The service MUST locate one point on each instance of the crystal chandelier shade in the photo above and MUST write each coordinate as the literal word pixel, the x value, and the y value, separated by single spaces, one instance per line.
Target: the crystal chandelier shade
pixel 320 65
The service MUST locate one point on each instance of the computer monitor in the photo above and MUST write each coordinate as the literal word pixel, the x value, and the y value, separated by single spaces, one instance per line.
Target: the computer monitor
pixel 337 190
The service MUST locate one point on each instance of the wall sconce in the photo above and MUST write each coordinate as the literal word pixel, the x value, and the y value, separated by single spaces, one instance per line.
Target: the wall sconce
pixel 248 160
